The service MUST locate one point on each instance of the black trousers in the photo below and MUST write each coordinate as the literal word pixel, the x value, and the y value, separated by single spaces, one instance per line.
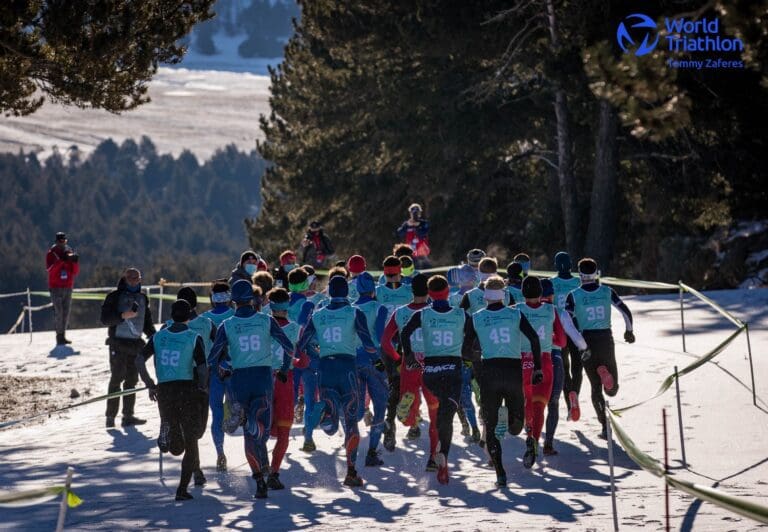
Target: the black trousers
pixel 572 371
pixel 393 380
pixel 122 365
pixel 179 405
pixel 501 380
pixel 442 377
pixel 603 354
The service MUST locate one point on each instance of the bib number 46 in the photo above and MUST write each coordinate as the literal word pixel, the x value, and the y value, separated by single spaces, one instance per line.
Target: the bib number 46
pixel 332 335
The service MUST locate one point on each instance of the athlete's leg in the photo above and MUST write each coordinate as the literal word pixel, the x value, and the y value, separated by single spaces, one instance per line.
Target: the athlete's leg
pixel 553 407
pixel 410 383
pixel 282 420
pixel 379 393
pixel 216 402
pixel 444 381
pixel 491 401
pixel 466 396
pixel 432 407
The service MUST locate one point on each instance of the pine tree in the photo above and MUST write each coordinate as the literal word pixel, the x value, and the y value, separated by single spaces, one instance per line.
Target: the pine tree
pixel 89 53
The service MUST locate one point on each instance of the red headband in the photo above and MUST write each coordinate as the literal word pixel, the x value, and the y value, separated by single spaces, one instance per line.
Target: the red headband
pixel 440 294
pixel 392 270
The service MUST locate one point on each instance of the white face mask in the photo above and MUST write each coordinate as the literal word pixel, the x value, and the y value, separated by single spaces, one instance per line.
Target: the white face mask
pixel 250 268
pixel 289 267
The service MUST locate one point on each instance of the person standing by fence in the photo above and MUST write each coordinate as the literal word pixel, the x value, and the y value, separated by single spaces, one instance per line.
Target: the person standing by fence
pixel 63 266
pixel 126 312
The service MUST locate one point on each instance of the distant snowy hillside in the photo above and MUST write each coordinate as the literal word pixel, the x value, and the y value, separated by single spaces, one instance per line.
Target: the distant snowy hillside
pixel 197 110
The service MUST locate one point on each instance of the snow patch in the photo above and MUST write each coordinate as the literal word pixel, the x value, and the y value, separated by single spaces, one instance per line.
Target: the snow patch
pixel 116 471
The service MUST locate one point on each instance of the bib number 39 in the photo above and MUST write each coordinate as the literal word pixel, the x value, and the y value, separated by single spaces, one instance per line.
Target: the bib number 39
pixel 595 313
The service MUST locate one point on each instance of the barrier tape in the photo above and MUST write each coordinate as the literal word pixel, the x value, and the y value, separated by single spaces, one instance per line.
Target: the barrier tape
pixel 733 319
pixel 69 407
pixel 616 281
pixel 37 496
pixel 13 294
pixel 670 380
pixel 13 328
pixel 737 505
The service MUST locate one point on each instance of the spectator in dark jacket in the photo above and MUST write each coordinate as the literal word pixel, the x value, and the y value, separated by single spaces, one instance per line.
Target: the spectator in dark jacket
pixel 63 266
pixel 316 246
pixel 126 312
pixel 248 265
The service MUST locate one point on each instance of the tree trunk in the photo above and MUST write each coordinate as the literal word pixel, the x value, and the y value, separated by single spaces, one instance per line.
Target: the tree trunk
pixel 565 160
pixel 565 174
pixel 601 233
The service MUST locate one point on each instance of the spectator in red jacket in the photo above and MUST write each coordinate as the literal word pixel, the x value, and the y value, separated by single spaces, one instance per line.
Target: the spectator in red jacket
pixel 63 266
pixel 415 232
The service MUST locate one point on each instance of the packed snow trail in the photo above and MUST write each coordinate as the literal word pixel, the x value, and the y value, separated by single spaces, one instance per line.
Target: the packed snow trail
pixel 116 471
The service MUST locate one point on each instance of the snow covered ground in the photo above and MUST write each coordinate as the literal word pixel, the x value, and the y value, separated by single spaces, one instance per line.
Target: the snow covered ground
pixel 117 476
pixel 198 110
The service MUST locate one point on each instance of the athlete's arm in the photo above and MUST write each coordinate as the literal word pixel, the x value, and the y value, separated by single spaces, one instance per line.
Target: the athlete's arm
pixel 220 349
pixel 464 302
pixel 201 366
pixel 558 333
pixel 146 353
pixel 621 307
pixel 361 326
pixel 213 332
pixel 386 339
pixel 278 334
pixel 308 334
pixel 470 335
pixel 405 334
pixel 381 322
pixel 527 329
pixel 306 310
pixel 570 308
pixel 571 330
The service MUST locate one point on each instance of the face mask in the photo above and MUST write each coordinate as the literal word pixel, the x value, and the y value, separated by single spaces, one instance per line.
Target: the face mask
pixel 408 271
pixel 289 267
pixel 250 268
pixel 134 289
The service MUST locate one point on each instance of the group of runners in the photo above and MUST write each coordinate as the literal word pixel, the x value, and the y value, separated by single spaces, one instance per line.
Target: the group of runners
pixel 275 350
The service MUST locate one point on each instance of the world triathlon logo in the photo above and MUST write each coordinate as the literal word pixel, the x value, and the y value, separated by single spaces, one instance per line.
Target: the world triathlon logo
pixel 643 27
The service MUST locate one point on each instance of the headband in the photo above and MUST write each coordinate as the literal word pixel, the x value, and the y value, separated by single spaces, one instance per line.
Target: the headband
pixel 392 270
pixel 440 294
pixel 299 287
pixel 493 295
pixel 407 272
pixel 279 306
pixel 221 297
pixel 589 276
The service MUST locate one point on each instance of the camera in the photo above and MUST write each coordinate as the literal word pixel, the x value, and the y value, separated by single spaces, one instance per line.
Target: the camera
pixel 135 307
